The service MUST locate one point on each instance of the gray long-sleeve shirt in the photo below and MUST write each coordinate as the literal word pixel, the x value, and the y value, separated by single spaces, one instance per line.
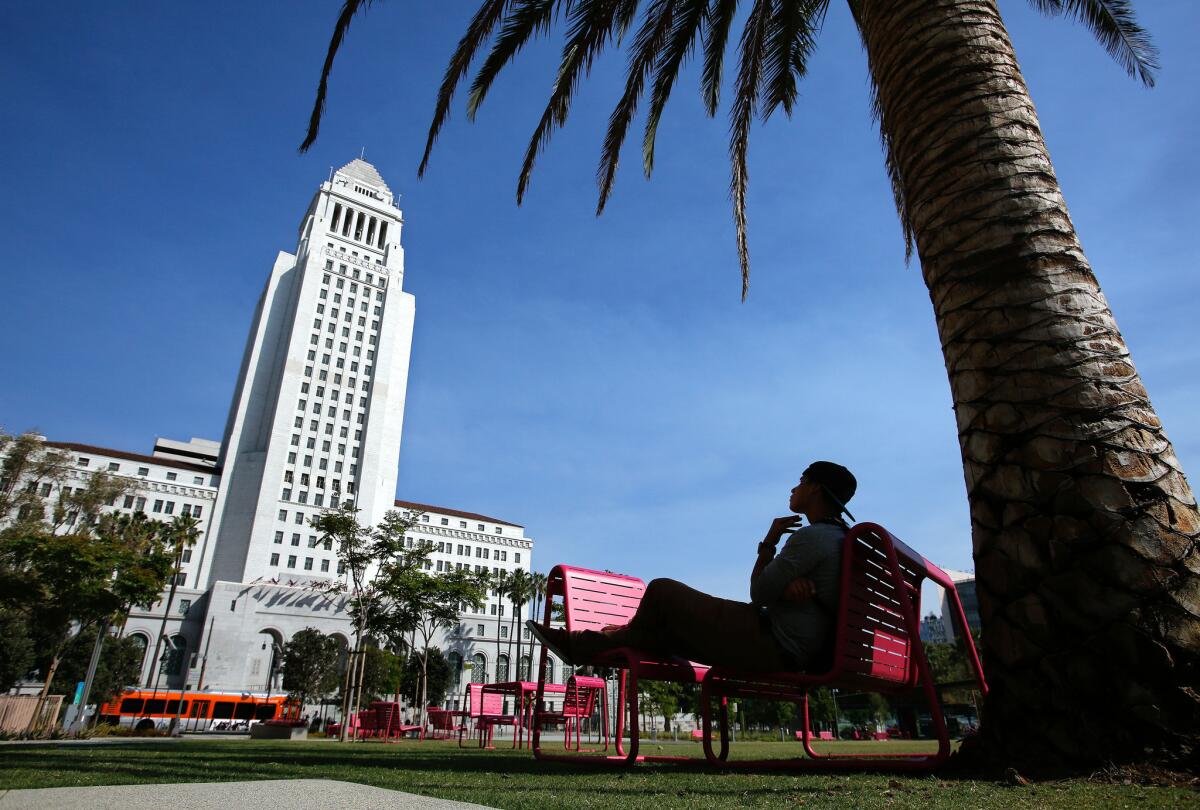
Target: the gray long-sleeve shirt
pixel 813 552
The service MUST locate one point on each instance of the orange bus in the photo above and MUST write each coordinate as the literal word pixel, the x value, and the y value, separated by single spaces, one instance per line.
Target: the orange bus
pixel 143 709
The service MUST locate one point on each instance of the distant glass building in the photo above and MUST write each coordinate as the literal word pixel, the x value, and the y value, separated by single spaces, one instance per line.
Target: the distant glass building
pixel 964 583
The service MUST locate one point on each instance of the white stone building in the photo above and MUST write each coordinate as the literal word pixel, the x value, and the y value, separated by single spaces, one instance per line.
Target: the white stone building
pixel 315 421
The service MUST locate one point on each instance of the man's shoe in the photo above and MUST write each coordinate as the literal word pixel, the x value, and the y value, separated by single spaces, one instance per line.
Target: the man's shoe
pixel 556 639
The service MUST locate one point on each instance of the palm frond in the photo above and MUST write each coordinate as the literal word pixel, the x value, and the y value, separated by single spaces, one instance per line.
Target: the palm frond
pixel 649 40
pixel 745 103
pixel 1113 24
pixel 687 27
pixel 592 24
pixel 349 9
pixel 526 20
pixel 720 18
pixel 480 28
pixel 792 39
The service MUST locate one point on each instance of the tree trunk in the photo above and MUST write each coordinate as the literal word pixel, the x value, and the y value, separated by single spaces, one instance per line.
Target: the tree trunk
pixel 1084 528
pixel 348 684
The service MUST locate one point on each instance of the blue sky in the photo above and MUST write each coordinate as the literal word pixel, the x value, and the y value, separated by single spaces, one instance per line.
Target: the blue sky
pixel 597 380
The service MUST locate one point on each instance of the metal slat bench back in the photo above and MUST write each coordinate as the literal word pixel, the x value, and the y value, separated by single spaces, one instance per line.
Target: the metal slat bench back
pixel 873 647
pixel 592 600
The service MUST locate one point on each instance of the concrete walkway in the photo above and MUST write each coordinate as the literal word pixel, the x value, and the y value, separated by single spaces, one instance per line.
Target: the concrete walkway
pixel 293 794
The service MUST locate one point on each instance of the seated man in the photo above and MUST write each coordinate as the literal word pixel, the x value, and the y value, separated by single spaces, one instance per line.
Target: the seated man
pixel 793 596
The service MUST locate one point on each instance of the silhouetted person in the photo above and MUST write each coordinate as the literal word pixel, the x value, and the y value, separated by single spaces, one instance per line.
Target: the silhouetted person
pixel 793 596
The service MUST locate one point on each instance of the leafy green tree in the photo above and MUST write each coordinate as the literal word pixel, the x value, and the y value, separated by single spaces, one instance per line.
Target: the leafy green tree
pixel 660 698
pixel 1083 524
pixel 433 602
pixel 822 708
pixel 28 472
pixel 119 665
pixel 71 582
pixel 371 557
pixel 16 648
pixel 382 672
pixel 430 679
pixel 310 665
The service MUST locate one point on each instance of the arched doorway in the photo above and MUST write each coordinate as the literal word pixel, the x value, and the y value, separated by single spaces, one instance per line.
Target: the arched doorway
pixel 478 668
pixel 142 641
pixel 264 667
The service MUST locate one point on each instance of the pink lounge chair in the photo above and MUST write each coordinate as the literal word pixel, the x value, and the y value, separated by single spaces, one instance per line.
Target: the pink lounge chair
pixel 877 648
pixel 592 600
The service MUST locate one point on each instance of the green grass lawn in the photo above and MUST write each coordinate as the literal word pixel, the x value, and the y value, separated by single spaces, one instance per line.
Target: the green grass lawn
pixel 513 779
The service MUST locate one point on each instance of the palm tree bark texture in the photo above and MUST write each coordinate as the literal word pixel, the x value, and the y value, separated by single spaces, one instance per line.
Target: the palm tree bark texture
pixel 1084 528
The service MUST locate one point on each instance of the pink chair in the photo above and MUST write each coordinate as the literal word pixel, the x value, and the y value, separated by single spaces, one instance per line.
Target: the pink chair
pixel 389 721
pixel 592 600
pixel 363 724
pixel 443 723
pixel 485 711
pixel 579 703
pixel 877 648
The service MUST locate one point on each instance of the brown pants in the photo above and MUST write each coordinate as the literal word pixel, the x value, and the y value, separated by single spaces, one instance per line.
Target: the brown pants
pixel 674 619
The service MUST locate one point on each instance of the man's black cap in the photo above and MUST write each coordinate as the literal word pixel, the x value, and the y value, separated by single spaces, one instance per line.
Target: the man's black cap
pixel 836 481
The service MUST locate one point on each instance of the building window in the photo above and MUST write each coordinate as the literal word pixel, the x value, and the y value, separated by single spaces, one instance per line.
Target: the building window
pixel 479 527
pixel 324 565
pixel 184 606
pixel 462 524
pixel 308 562
pixel 291 563
pixel 283 512
pixel 445 521
pixel 503 632
pixel 278 537
pixel 158 506
pixel 295 539
pixel 113 466
pixel 140 504
pixel 82 462
pixel 479 630
pixel 196 511
pixel 128 502
pixel 516 556
pixel 341 569
pixel 198 480
pixel 143 471
pixel 187 555
pixel 171 476
pixel 274 559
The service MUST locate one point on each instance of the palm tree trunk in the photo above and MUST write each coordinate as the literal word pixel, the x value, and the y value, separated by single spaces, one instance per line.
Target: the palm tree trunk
pixel 1084 528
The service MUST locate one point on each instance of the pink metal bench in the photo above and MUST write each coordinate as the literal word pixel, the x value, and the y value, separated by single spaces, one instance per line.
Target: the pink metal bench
pixel 877 648
pixel 592 600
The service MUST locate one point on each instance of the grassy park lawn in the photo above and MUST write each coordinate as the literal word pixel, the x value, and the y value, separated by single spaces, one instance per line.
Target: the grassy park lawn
pixel 509 779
